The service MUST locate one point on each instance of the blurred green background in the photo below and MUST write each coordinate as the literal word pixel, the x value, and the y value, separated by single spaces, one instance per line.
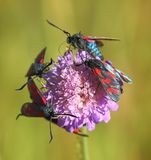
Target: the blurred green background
pixel 24 32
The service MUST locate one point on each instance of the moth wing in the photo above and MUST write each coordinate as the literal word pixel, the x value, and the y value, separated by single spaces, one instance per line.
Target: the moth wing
pixel 123 76
pixel 111 86
pixel 32 110
pixel 35 94
pixel 41 56
pixel 98 40
pixel 38 60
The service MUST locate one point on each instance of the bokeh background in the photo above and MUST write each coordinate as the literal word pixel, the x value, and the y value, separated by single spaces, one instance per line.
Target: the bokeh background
pixel 24 32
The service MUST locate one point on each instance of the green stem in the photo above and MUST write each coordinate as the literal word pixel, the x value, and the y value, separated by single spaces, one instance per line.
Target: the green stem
pixel 83 146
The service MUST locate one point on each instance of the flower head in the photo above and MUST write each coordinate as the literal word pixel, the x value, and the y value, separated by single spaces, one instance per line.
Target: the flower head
pixel 75 90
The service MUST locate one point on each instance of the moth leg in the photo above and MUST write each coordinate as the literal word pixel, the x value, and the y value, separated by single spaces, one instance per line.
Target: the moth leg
pixel 51 135
pixel 22 87
pixel 19 115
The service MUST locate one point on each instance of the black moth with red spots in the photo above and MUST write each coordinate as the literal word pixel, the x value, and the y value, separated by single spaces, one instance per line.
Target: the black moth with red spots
pixel 37 68
pixel 108 80
pixel 40 108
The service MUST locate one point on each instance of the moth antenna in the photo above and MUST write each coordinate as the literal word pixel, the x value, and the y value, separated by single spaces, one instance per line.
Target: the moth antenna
pixel 67 33
pixel 66 114
pixel 60 46
pixel 29 78
pixel 18 116
pixel 50 63
pixel 18 89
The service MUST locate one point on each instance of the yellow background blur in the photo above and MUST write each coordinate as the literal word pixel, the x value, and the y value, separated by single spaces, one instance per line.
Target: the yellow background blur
pixel 24 32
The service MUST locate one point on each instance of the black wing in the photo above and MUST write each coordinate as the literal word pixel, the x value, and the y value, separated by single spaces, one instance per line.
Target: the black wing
pixel 109 82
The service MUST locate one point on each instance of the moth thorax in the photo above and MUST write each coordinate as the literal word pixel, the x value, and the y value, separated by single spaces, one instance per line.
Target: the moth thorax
pixel 38 68
pixel 48 111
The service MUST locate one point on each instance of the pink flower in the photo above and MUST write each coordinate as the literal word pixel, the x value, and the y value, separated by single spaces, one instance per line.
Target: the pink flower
pixel 75 90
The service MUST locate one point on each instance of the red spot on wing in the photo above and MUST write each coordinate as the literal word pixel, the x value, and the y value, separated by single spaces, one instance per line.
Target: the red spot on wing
pixel 97 71
pixel 38 60
pixel 112 75
pixel 115 91
pixel 122 73
pixel 41 61
pixel 40 57
pixel 109 90
pixel 36 94
pixel 88 38
pixel 107 80
pixel 85 37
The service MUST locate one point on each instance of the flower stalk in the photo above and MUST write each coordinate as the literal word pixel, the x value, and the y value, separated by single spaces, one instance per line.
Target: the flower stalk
pixel 84 146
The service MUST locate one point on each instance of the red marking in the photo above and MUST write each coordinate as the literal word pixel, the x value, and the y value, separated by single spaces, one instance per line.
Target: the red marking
pixel 36 94
pixel 41 61
pixel 88 39
pixel 116 91
pixel 122 73
pixel 76 131
pixel 106 80
pixel 97 71
pixel 109 90
pixel 40 57
pixel 85 37
pixel 44 100
pixel 112 75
